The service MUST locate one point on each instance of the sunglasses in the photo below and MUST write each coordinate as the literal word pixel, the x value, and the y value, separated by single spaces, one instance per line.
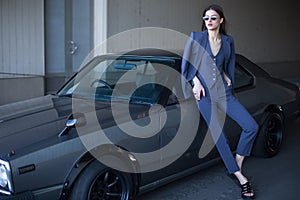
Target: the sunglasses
pixel 213 18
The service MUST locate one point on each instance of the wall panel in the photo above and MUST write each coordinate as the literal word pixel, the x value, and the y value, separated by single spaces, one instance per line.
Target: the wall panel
pixel 264 31
pixel 22 37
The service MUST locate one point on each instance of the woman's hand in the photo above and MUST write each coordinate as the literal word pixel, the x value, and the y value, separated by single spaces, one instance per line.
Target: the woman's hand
pixel 227 79
pixel 198 89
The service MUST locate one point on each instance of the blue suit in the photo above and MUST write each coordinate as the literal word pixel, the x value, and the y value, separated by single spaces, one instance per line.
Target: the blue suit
pixel 198 60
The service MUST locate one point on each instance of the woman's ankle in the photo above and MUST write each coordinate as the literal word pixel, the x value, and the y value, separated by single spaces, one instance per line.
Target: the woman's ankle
pixel 242 179
pixel 239 160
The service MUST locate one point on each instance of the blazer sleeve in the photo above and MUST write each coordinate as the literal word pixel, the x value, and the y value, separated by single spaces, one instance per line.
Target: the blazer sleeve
pixel 231 62
pixel 187 69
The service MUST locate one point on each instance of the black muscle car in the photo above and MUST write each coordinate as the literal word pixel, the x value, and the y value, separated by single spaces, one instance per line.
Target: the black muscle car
pixel 121 126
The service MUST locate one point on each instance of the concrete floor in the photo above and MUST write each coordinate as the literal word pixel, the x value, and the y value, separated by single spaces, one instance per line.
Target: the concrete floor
pixel 274 178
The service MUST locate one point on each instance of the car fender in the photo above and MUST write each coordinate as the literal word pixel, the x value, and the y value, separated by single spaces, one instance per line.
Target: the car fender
pixel 109 151
pixel 275 109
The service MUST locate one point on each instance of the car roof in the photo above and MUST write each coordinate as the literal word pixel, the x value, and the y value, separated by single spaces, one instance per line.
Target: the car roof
pixel 151 52
pixel 177 54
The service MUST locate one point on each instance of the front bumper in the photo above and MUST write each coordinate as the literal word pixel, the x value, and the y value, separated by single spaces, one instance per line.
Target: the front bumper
pixel 22 196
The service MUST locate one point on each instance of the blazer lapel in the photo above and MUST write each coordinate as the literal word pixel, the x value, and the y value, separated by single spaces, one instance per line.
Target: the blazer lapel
pixel 225 47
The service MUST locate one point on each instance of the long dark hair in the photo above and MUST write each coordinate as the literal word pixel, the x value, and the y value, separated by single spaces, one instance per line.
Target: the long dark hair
pixel 220 12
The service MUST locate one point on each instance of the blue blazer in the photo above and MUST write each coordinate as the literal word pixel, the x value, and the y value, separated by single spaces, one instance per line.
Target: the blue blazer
pixel 193 55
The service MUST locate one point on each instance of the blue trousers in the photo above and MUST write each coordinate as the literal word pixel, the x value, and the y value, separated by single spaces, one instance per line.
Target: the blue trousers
pixel 210 109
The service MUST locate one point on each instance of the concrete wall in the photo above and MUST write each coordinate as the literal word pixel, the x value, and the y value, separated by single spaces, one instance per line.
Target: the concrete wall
pixel 22 60
pixel 20 88
pixel 264 31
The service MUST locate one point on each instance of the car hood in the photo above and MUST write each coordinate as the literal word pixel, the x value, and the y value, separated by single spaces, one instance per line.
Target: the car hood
pixel 36 123
pixel 27 122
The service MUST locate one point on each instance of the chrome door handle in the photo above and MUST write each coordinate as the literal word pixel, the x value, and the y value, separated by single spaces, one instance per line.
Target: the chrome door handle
pixel 73 47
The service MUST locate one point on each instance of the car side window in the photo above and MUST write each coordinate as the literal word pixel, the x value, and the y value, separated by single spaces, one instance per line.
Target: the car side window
pixel 242 77
pixel 172 99
pixel 175 94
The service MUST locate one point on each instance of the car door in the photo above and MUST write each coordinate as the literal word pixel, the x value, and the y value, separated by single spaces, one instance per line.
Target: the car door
pixel 183 134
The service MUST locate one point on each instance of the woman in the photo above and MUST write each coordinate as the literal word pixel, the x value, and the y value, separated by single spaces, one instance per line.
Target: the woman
pixel 208 64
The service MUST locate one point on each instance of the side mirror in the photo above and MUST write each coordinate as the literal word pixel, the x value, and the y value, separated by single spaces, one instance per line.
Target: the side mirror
pixel 71 122
pixel 76 119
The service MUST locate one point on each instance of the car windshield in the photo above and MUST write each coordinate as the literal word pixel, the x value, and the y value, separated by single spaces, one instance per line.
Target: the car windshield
pixel 130 78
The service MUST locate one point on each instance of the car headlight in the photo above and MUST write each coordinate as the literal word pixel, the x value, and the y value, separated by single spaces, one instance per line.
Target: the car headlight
pixel 5 178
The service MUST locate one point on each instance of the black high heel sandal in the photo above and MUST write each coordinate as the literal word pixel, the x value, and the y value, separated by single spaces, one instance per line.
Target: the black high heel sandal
pixel 247 189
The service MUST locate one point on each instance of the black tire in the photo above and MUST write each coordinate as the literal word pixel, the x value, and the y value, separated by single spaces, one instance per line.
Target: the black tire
pixel 269 138
pixel 99 182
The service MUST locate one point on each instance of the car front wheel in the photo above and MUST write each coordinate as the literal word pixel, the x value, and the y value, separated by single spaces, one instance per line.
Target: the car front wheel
pixel 99 182
pixel 269 138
